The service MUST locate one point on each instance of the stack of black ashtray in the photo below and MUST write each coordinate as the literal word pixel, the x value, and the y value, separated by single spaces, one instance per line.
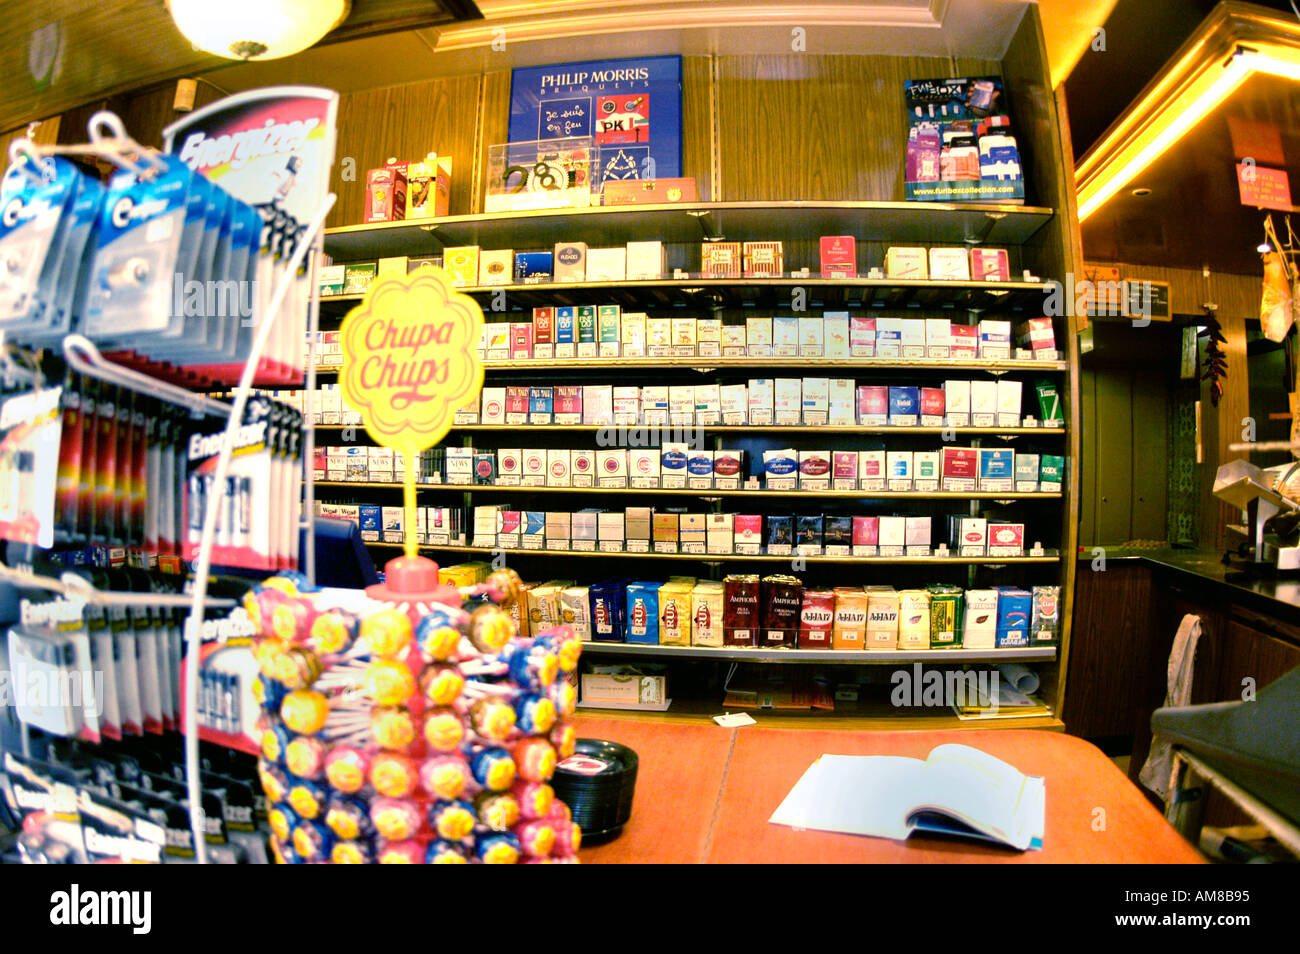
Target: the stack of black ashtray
pixel 597 783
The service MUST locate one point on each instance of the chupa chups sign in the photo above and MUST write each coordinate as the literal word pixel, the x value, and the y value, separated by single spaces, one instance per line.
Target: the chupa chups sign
pixel 410 360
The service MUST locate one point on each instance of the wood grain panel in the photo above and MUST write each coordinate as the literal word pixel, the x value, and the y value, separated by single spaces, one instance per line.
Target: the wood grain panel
pixel 1088 447
pixel 792 126
pixel 406 122
pixel 1114 460
pixel 1109 649
pixel 494 128
pixel 1189 288
pixel 697 122
pixel 1150 456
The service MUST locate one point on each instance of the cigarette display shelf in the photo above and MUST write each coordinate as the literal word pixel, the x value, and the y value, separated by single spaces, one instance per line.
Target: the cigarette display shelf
pixel 706 494
pixel 707 365
pixel 1049 556
pixel 846 430
pixel 705 293
pixel 933 223
pixel 870 715
pixel 881 657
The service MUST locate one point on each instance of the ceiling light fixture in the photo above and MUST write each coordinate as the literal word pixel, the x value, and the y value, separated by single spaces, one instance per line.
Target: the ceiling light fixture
pixel 256 29
pixel 1232 45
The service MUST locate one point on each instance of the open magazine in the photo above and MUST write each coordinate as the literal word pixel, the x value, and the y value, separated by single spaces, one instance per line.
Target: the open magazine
pixel 957 791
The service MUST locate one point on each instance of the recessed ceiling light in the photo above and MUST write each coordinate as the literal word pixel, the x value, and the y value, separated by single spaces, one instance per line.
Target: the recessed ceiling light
pixel 1141 192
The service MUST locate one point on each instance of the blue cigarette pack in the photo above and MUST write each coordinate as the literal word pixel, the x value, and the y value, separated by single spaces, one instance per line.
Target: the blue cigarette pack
pixel 608 611
pixel 643 613
pixel 565 320
pixel 904 405
pixel 533 267
pixel 1014 608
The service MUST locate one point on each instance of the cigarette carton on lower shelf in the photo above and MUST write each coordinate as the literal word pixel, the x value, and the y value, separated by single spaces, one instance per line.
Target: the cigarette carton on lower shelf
pixel 621 687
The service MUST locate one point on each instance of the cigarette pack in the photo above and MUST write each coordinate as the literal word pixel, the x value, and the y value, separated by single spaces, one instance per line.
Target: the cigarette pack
pixel 949 265
pixel 570 261
pixel 763 260
pixel 812 336
pixel 461 264
pixel 720 260
pixel 646 260
pixel 989 265
pixel 496 266
pixel 785 336
pixel 909 264
pixel 606 264
pixel 839 256
pixel 758 336
pixel 862 337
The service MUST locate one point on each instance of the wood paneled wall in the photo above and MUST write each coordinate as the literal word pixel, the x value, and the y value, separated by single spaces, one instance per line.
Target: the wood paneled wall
pixel 407 122
pixel 793 126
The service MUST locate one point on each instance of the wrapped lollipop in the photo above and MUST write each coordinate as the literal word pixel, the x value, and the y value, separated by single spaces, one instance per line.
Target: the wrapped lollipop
pixel 442 852
pixel 492 718
pixel 296 668
pixel 305 757
pixel 565 739
pixel 568 839
pixel 536 837
pixel 347 768
pixel 497 848
pixel 504 586
pixel 493 768
pixel 347 817
pixel 313 841
pixel 274 779
pixel 532 665
pixel 396 776
pixel 534 714
pixel 388 632
pixel 445 776
pixel 267 651
pixel 352 853
pixel 389 683
pixel 534 759
pixel 401 853
pixel 282 820
pixel 564 696
pixel 395 819
pixel 395 728
pixel 498 811
pixel 304 711
pixel 441 684
pixel 535 798
pixel 307 798
pixel 490 629
pixel 332 632
pixel 566 644
pixel 443 730
pixel 275 740
pixel 452 820
pixel 440 632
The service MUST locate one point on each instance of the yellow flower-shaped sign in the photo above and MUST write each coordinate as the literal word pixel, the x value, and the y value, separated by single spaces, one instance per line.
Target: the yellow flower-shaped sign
pixel 410 358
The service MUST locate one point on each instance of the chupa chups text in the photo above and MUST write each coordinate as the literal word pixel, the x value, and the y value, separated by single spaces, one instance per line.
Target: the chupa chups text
pixel 395 361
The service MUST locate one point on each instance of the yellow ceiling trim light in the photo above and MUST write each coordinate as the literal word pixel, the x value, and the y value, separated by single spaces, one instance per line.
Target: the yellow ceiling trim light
pixel 1235 42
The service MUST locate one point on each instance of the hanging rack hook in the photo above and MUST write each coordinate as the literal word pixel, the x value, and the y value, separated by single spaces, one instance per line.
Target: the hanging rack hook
pixel 119 148
pixel 23 153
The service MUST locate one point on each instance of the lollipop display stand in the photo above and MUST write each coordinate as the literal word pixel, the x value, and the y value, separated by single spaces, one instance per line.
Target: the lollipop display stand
pixel 411 724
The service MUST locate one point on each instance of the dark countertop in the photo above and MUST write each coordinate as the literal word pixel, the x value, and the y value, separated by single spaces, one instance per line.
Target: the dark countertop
pixel 1275 595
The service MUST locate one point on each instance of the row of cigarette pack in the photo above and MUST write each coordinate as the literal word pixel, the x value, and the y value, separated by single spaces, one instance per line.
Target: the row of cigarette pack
pixel 645 530
pixel 605 331
pixel 778 611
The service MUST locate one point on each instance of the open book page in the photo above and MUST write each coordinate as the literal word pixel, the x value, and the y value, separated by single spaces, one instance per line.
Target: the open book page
pixel 889 796
pixel 857 795
pixel 980 790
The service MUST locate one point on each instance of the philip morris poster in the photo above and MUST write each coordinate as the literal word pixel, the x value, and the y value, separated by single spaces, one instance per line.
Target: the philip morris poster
pixel 632 108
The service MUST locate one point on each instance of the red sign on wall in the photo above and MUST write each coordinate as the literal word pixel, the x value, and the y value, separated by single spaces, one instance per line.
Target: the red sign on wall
pixel 1264 188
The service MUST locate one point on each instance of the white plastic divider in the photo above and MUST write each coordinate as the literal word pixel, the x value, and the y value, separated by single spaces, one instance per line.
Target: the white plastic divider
pixel 82 355
pixel 76 587
pixel 194 628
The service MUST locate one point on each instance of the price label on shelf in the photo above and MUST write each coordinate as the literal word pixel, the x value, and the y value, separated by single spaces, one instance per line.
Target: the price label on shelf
pixel 439 540
pixel 837 550
pixel 697 548
pixel 613 483
pixel 926 486
pixel 891 551
pixel 584 546
pixel 565 351
pixel 508 541
pixel 873 483
pixel 701 483
pixel 862 550
pixel 845 483
pixel 532 541
pixel 781 483
pixel 543 352
pixel 779 549
pixel 900 486
pixel 726 483
pixel 813 484
pixel 557 544
pixel 665 546
pixel 917 551
pixel 638 546
pixel 611 546
pixel 749 549
pixel 582 480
